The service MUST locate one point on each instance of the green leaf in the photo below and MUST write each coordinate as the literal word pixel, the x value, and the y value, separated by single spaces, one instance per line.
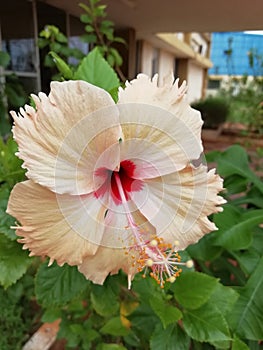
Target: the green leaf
pixel 119 40
pixel 235 229
pixel 206 324
pixel 114 94
pixel 223 297
pixel 6 221
pixel 41 43
pixel 168 314
pixel 95 70
pixel 108 33
pixel 171 338
pixel 55 47
pixel 246 317
pixel 10 165
pixel 247 259
pixel 104 346
pixel 45 33
pixel 85 18
pixel 235 184
pixel 117 56
pixel 110 59
pixel 104 300
pixel 99 11
pixel 106 24
pixel 51 315
pixel 235 161
pixel 115 327
pixel 62 66
pixel 57 285
pixel 4 120
pixel 89 28
pixel 48 61
pixel 4 59
pixel 212 156
pixel 143 320
pixel 254 345
pixel 13 261
pixel 238 344
pixel 224 344
pixel 15 94
pixel 258 241
pixel 193 289
pixel 255 200
pixel 204 249
pixel 60 37
pixel 89 38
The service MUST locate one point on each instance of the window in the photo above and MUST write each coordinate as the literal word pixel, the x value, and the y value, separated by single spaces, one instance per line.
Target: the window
pixel 214 84
pixel 18 39
pixel 155 61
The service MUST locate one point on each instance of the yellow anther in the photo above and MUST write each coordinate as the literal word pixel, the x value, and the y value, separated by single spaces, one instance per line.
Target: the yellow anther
pixel 154 243
pixel 149 262
pixel 171 279
pixel 189 264
pixel 176 243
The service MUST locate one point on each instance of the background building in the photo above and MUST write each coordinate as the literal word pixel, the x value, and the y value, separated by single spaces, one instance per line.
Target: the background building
pixel 185 55
pixel 235 54
pixel 161 39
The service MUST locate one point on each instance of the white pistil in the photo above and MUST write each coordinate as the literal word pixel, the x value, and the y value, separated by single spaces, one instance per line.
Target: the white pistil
pixel 161 258
pixel 126 208
pixel 132 224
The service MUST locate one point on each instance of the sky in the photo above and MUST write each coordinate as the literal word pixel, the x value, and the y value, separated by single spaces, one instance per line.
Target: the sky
pixel 254 32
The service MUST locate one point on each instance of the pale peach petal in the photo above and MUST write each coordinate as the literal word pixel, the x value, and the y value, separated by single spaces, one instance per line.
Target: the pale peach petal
pixel 61 141
pixel 54 226
pixel 106 261
pixel 116 251
pixel 177 122
pixel 159 138
pixel 152 158
pixel 118 232
pixel 177 205
pixel 143 89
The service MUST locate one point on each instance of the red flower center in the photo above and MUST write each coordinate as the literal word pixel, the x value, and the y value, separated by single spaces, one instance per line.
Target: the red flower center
pixel 128 182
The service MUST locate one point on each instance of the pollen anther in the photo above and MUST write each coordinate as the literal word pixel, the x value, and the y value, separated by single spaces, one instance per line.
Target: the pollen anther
pixel 189 264
pixel 149 262
pixel 154 243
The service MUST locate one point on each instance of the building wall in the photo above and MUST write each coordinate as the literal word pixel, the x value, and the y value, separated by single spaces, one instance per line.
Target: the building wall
pixel 166 64
pixel 155 60
pixel 199 44
pixel 184 69
pixel 195 82
pixel 146 59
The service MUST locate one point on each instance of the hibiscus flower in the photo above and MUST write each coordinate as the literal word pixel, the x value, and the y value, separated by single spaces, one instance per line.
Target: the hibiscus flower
pixel 113 186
